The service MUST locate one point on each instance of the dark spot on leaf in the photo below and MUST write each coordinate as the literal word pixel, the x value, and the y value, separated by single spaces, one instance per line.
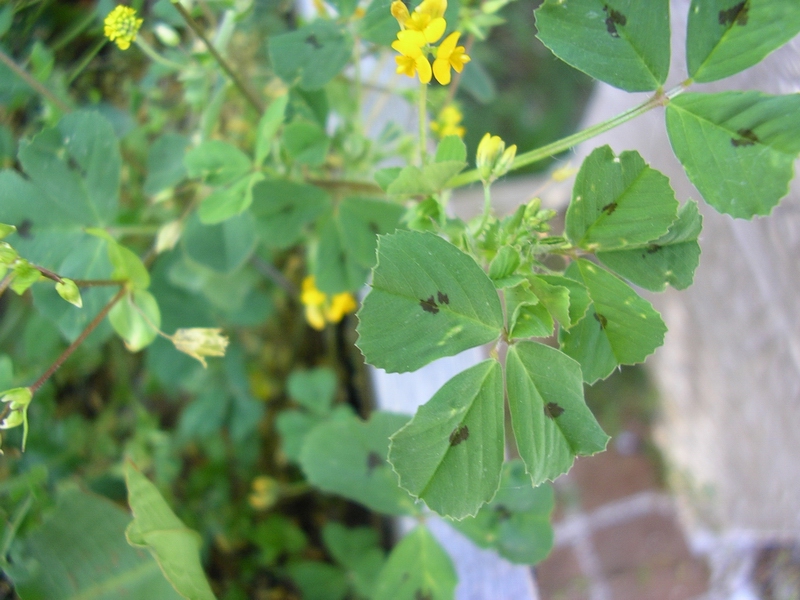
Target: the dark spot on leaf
pixel 312 39
pixel 443 299
pixel 737 14
pixel 610 208
pixel 502 512
pixel 653 248
pixel 342 257
pixel 373 227
pixel 748 138
pixel 374 460
pixel 601 319
pixel 24 229
pixel 420 595
pixel 286 209
pixel 614 18
pixel 553 410
pixel 429 305
pixel 459 434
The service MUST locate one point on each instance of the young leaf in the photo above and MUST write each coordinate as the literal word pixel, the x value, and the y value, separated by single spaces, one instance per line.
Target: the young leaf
pixel 67 289
pixel 155 527
pixel 216 162
pixel 312 55
pixel 451 148
pixel 738 148
pixel 228 201
pixel 79 549
pixel 528 317
pixel 418 568
pixel 618 201
pixel 547 288
pixel 135 318
pixel 450 454
pixel 433 177
pixel 347 456
pixel 622 42
pixel 428 300
pixel 283 208
pixel 516 523
pixel 620 328
pixel 727 36
pixel 671 259
pixel 268 127
pixel 551 421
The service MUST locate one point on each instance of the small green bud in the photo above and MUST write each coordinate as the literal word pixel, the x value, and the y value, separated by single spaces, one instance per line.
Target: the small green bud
pixel 7 254
pixel 168 235
pixel 25 275
pixel 18 400
pixel 67 289
pixel 6 230
pixel 199 342
pixel 166 35
pixel 493 159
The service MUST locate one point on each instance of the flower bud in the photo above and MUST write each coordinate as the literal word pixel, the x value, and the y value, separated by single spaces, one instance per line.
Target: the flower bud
pixel 166 35
pixel 493 159
pixel 168 235
pixel 18 400
pixel 199 342
pixel 6 230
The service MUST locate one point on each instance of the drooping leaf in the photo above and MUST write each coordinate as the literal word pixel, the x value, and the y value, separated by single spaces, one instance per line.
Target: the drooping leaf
pixel 516 523
pixel 283 208
pixel 622 42
pixel 618 201
pixel 347 456
pixel 551 421
pixel 418 567
pixel 428 300
pixel 620 327
pixel 738 148
pixel 223 247
pixel 80 552
pixel 727 36
pixel 312 55
pixel 155 527
pixel 671 259
pixel 450 454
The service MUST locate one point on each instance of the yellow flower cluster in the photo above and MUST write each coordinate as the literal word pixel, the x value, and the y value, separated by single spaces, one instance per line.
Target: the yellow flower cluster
pixel 319 309
pixel 121 26
pixel 418 31
pixel 448 122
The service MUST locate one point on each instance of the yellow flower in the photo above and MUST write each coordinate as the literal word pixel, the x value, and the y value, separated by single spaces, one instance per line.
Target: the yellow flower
pixel 412 59
pixel 265 493
pixel 449 55
pixel 199 342
pixel 320 310
pixel 400 12
pixel 448 122
pixel 434 8
pixel 121 26
pixel 493 159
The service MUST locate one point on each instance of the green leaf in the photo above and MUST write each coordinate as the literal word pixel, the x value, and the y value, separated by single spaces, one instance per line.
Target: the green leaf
pixel 312 55
pixel 618 201
pixel 451 148
pixel 223 247
pixel 671 259
pixel 516 523
pixel 384 177
pixel 551 421
pixel 228 201
pixel 67 289
pixel 727 36
pixel 165 166
pixel 347 241
pixel 428 300
pixel 359 551
pixel 547 288
pixel 620 327
pixel 24 276
pixel 216 162
pixel 450 454
pixel 294 425
pixel 738 148
pixel 413 181
pixel 527 316
pixel 283 208
pixel 504 264
pixel 136 329
pixel 418 567
pixel 268 127
pixel 478 82
pixel 306 143
pixel 622 42
pixel 378 25
pixel 345 8
pixel 348 457
pixel 318 581
pixel 313 388
pixel 155 527
pixel 80 552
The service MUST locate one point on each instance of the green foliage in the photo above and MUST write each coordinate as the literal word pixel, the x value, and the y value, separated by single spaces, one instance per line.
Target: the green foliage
pixel 311 56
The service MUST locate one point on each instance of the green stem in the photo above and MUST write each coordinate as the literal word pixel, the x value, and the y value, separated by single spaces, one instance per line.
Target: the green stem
pixel 87 58
pixel 155 56
pixel 487 207
pixel 33 83
pixel 78 341
pixel 251 97
pixel 423 124
pixel 12 527
pixel 660 98
pixel 77 28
